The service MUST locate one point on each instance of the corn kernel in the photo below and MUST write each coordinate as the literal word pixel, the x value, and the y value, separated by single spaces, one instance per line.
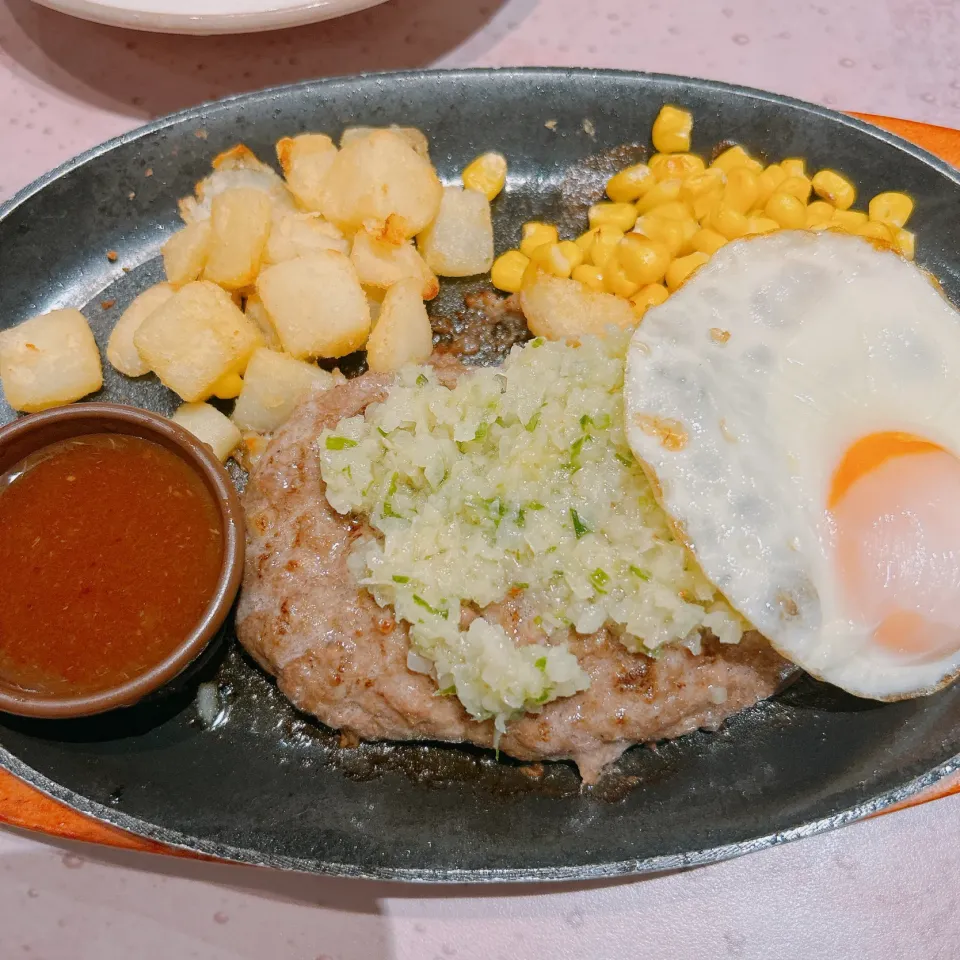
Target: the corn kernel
pixel 728 223
pixel 787 210
pixel 794 167
pixel 705 205
pixel 589 276
pixel 710 181
pixel 630 184
pixel 615 280
pixel 819 212
pixel 530 275
pixel 228 387
pixel 563 258
pixel 536 234
pixel 620 215
pixel 798 187
pixel 604 245
pixel 848 220
pixel 681 269
pixel 664 192
pixel 672 129
pixel 707 241
pixel 488 174
pixel 878 232
pixel 585 241
pixel 741 191
pixel 675 235
pixel 507 271
pixel 736 157
pixel 893 208
pixel 758 225
pixel 768 181
pixel 904 242
pixel 834 188
pixel 652 295
pixel 676 166
pixel 643 260
pixel 672 210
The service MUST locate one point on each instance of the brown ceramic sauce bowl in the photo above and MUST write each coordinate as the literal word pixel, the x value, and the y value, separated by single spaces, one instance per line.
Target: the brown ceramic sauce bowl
pixel 31 434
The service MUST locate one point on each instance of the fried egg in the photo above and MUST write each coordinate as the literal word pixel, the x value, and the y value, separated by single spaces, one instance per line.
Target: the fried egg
pixel 796 405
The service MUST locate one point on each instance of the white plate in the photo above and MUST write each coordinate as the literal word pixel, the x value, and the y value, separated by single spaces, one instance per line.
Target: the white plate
pixel 207 16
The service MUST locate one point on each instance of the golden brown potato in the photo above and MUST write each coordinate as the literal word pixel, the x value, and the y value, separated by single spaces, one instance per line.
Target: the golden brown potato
pixel 49 360
pixel 240 221
pixel 402 334
pixel 299 234
pixel 459 242
pixel 378 175
pixel 305 161
pixel 272 386
pixel 316 304
pixel 209 426
pixel 185 253
pixel 197 339
pixel 416 138
pixel 120 349
pixel 557 309
pixel 381 264
pixel 254 310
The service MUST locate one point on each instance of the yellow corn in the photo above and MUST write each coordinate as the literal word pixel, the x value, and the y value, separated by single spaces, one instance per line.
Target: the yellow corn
pixel 675 235
pixel 643 260
pixel 741 191
pixel 819 212
pixel 787 210
pixel 589 276
pixel 768 181
pixel 620 215
pixel 794 167
pixel 682 268
pixel 904 242
pixel 228 387
pixel 834 188
pixel 876 231
pixel 530 275
pixel 676 166
pixel 728 223
pixel 798 187
pixel 646 297
pixel 664 192
pixel 893 208
pixel 848 220
pixel 630 183
pixel 736 157
pixel 615 279
pixel 757 225
pixel 671 130
pixel 707 241
pixel 535 235
pixel 585 241
pixel 604 245
pixel 710 181
pixel 563 258
pixel 705 205
pixel 672 210
pixel 488 174
pixel 507 271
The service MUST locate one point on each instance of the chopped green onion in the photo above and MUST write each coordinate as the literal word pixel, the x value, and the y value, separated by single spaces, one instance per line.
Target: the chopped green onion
pixel 579 527
pixel 521 520
pixel 585 421
pixel 537 342
pixel 382 432
pixel 535 505
pixel 624 460
pixel 420 602
pixel 532 422
pixel 481 431
pixel 599 578
pixel 399 579
pixel 521 586
pixel 388 511
pixel 447 692
pixel 422 380
pixel 544 697
pixel 340 443
pixel 637 572
pixel 541 663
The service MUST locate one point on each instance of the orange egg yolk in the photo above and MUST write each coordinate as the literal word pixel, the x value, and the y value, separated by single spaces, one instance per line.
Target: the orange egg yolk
pixel 895 500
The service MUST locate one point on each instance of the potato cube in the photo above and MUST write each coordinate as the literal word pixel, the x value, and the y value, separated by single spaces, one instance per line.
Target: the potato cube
pixel 195 339
pixel 459 243
pixel 381 264
pixel 316 304
pixel 209 426
pixel 185 253
pixel 305 161
pixel 403 333
pixel 240 221
pixel 255 310
pixel 273 385
pixel 120 349
pixel 416 138
pixel 49 360
pixel 378 175
pixel 556 309
pixel 300 234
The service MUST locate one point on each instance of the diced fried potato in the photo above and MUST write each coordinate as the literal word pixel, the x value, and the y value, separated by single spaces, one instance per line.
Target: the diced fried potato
pixel 382 264
pixel 556 308
pixel 257 312
pixel 120 349
pixel 196 339
pixel 459 242
pixel 273 385
pixel 316 304
pixel 49 360
pixel 403 333
pixel 240 223
pixel 416 138
pixel 300 234
pixel 378 175
pixel 305 161
pixel 209 426
pixel 185 253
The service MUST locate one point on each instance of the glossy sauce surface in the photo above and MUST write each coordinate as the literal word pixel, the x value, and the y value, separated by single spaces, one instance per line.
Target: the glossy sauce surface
pixel 110 552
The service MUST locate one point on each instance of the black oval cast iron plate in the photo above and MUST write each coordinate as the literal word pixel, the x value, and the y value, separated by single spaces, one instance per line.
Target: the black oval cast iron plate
pixel 270 786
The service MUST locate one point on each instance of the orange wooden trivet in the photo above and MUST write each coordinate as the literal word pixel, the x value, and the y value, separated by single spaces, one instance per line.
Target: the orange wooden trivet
pixel 23 806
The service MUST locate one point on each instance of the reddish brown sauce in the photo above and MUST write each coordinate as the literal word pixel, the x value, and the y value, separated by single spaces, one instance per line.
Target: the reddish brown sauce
pixel 110 551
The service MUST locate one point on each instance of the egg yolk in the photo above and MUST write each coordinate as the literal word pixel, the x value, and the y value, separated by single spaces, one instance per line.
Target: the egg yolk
pixel 895 500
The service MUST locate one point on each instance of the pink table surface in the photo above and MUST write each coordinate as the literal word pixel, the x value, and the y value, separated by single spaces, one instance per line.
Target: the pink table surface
pixel 880 889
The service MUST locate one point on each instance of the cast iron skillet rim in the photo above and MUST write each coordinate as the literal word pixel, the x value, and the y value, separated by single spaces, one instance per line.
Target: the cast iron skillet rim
pixel 593 871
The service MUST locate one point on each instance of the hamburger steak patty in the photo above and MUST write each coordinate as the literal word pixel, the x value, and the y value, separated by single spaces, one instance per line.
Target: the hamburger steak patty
pixel 337 655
